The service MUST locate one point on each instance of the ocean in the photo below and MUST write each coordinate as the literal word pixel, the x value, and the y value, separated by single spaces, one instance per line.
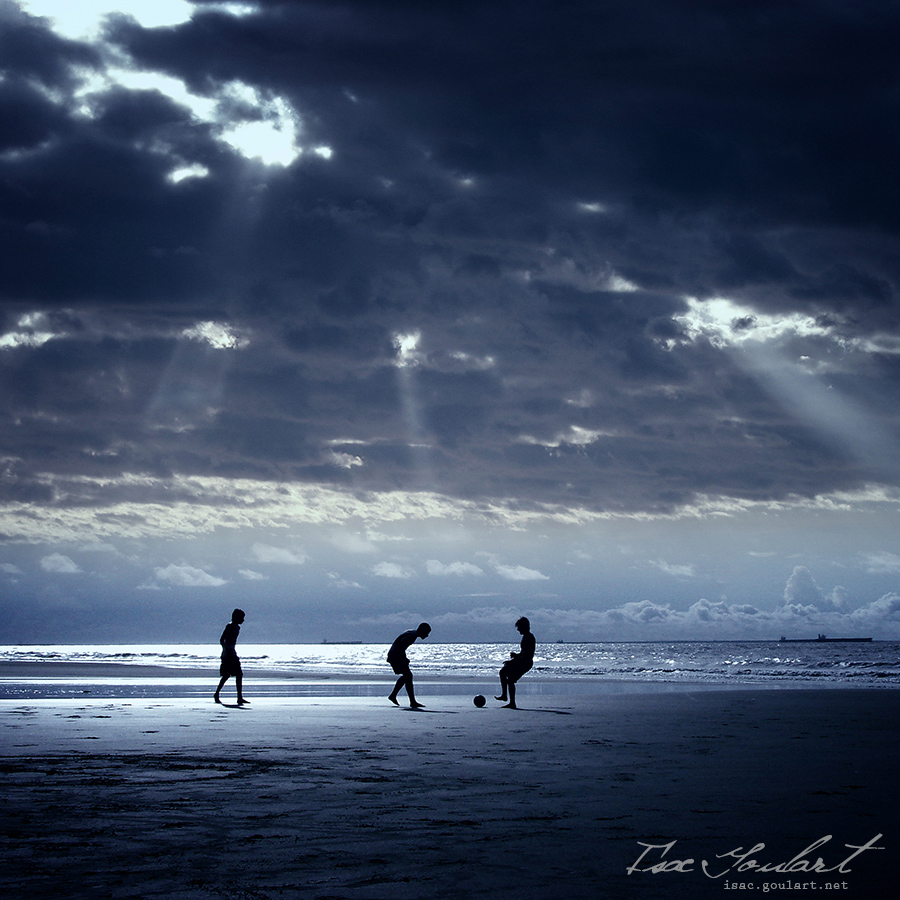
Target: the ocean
pixel 335 669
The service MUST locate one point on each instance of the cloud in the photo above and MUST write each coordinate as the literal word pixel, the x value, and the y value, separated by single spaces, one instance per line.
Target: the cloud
pixel 352 543
pixel 641 611
pixel 338 582
pixel 187 576
pixel 392 570
pixel 432 315
pixel 99 547
pixel 839 598
pixel 520 573
pixel 475 623
pixel 802 590
pixel 250 575
pixel 645 620
pixel 311 394
pixel 880 562
pixel 278 555
pixel 880 614
pixel 59 564
pixel 680 571
pixel 434 567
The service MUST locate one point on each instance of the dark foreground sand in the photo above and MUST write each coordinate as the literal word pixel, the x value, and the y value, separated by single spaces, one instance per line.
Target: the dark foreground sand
pixel 349 797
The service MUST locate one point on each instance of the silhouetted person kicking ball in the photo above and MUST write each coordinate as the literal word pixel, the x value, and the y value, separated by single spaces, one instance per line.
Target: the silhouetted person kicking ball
pixel 400 664
pixel 231 665
pixel 517 664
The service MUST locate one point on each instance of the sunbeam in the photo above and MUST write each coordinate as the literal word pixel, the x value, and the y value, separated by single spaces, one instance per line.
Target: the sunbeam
pixel 409 358
pixel 765 346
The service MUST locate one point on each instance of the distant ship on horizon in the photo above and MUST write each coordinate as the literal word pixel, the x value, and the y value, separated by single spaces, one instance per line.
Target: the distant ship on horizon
pixel 823 639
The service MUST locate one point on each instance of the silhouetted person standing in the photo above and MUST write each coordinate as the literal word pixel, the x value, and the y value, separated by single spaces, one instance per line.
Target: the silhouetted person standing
pixel 231 665
pixel 517 664
pixel 400 664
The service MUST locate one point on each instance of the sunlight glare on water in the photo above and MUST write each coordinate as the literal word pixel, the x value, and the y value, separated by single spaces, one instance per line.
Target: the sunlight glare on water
pixel 863 664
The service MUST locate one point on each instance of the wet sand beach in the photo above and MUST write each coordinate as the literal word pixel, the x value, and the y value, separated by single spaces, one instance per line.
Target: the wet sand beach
pixel 335 796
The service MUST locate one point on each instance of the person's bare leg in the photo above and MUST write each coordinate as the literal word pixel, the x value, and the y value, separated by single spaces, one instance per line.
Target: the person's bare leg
pixel 240 684
pixel 412 697
pixel 502 696
pixel 392 696
pixel 512 696
pixel 222 681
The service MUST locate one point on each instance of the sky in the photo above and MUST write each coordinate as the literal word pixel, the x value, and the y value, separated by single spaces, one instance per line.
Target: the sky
pixel 358 313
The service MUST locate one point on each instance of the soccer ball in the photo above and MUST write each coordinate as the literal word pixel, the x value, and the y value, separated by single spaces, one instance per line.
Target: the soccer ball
pixel 479 700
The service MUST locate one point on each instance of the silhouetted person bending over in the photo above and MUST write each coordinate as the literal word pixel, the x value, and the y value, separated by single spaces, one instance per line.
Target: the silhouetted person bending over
pixel 517 664
pixel 400 664
pixel 231 665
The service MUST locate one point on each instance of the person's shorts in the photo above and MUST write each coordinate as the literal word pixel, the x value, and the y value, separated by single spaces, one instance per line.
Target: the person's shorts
pixel 400 666
pixel 230 666
pixel 515 669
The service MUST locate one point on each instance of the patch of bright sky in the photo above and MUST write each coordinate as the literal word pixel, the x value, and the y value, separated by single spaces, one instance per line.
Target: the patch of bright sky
pixel 408 348
pixel 24 339
pixel 618 284
pixel 576 436
pixel 726 323
pixel 32 331
pixel 81 19
pixel 271 141
pixel 270 138
pixel 593 207
pixel 479 363
pixel 195 170
pixel 203 108
pixel 267 133
pixel 216 335
pixel 344 460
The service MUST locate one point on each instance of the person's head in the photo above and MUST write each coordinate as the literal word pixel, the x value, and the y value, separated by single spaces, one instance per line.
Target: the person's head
pixel 523 625
pixel 423 630
pixel 237 616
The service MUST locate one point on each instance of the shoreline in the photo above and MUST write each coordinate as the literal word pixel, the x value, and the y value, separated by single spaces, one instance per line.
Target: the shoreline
pixel 24 681
pixel 76 671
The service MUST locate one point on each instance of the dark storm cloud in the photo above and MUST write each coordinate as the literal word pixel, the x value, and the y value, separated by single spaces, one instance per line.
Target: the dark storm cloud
pixel 29 51
pixel 533 190
pixel 777 108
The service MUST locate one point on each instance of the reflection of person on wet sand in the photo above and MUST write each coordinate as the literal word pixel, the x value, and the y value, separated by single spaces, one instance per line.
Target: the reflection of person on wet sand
pixel 400 664
pixel 231 665
pixel 517 664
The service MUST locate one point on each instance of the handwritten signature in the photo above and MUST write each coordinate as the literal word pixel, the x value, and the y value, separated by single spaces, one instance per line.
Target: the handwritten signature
pixel 745 860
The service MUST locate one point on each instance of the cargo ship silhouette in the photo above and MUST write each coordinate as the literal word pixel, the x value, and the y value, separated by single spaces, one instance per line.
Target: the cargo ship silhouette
pixel 823 639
